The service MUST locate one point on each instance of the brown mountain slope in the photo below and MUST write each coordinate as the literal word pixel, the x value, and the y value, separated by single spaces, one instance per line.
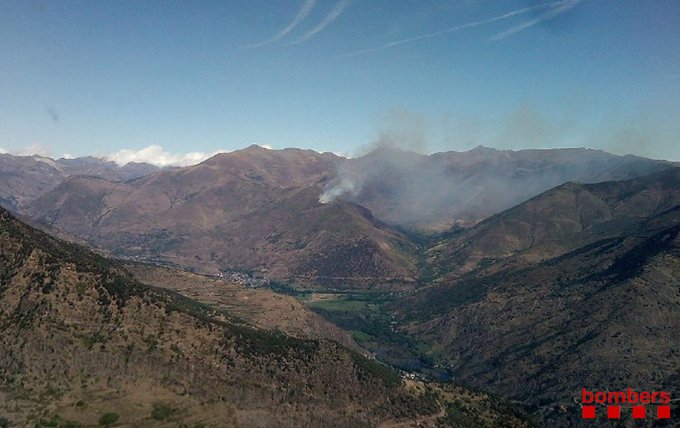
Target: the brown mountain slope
pixel 82 343
pixel 259 210
pixel 253 209
pixel 558 221
pixel 25 178
pixel 402 188
pixel 261 308
pixel 593 303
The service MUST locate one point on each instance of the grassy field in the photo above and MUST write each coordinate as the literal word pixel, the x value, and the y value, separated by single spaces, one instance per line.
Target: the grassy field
pixel 361 337
pixel 342 305
pixel 373 327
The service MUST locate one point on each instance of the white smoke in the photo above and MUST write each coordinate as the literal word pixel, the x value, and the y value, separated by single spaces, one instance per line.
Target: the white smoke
pixel 401 131
pixel 345 186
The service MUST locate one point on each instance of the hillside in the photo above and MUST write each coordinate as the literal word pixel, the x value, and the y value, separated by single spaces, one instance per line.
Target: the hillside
pixel 259 307
pixel 309 218
pixel 83 343
pixel 558 221
pixel 577 287
pixel 250 210
pixel 25 178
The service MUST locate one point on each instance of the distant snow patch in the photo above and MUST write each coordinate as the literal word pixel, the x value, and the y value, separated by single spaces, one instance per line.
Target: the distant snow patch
pixel 342 155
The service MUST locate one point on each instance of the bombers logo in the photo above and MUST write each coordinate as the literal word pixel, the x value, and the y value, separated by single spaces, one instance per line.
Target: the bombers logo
pixel 637 401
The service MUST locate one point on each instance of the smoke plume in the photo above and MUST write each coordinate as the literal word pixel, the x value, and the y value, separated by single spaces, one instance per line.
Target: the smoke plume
pixel 404 187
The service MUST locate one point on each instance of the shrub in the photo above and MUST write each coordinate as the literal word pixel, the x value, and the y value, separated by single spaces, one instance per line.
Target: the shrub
pixel 161 411
pixel 108 418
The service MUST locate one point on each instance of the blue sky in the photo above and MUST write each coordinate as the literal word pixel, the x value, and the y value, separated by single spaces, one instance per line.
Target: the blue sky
pixel 103 77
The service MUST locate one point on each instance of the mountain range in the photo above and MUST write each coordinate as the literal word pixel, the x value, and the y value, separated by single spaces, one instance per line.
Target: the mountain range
pixel 263 211
pixel 432 193
pixel 529 274
pixel 24 178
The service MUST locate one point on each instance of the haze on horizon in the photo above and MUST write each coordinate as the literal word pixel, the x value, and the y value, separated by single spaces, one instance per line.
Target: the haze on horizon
pixel 175 82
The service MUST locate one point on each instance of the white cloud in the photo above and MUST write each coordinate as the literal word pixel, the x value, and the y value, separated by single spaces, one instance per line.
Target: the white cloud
pixel 304 11
pixel 266 146
pixel 554 12
pixel 33 149
pixel 511 14
pixel 328 20
pixel 156 155
pixel 2 151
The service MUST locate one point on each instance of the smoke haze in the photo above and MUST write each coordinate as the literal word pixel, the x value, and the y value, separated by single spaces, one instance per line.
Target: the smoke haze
pixel 400 184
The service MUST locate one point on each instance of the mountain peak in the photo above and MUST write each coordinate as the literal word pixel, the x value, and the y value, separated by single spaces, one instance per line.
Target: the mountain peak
pixel 484 149
pixel 255 147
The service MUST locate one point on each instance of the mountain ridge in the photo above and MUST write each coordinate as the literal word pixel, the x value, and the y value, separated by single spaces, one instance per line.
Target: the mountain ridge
pixel 536 323
pixel 227 213
pixel 83 343
pixel 276 211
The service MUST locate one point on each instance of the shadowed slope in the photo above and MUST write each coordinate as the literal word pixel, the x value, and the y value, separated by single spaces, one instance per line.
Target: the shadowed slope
pixel 578 287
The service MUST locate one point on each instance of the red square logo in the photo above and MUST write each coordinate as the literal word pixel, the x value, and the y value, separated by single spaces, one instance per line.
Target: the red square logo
pixel 663 412
pixel 639 412
pixel 588 412
pixel 613 412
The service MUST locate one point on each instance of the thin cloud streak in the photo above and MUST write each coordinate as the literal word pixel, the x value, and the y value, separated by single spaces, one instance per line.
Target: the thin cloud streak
pixel 553 4
pixel 304 12
pixel 550 14
pixel 328 20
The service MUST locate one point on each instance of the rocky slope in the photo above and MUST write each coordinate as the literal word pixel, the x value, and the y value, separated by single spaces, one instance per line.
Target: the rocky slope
pixel 576 286
pixel 83 343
